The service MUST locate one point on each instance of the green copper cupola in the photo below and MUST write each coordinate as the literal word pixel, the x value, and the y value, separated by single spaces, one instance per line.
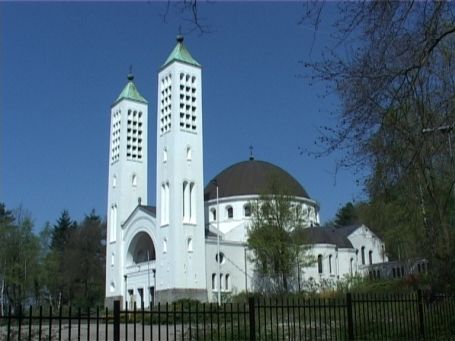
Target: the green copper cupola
pixel 130 92
pixel 181 54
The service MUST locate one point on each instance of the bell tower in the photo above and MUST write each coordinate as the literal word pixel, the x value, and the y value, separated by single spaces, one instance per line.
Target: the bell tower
pixel 179 185
pixel 127 186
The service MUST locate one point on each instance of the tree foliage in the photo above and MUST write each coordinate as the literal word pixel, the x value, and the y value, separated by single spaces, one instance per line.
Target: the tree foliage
pixel 346 215
pixel 19 258
pixel 275 238
pixel 397 112
pixel 64 264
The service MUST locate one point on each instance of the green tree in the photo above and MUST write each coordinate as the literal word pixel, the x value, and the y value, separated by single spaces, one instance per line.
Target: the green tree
pixel 346 215
pixel 395 81
pixel 19 257
pixel 62 231
pixel 84 262
pixel 58 286
pixel 276 239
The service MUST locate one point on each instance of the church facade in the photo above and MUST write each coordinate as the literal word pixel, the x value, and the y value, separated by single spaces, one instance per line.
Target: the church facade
pixel 193 243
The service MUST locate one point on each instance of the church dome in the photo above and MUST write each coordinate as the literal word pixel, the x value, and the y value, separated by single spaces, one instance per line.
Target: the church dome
pixel 251 178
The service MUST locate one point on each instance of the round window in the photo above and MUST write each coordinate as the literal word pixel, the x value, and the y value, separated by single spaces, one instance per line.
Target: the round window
pixel 221 258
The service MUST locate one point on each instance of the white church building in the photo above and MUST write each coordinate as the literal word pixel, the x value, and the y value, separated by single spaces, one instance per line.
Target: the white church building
pixel 168 252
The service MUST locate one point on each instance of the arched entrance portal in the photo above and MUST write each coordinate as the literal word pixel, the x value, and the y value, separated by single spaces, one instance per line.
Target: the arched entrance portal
pixel 140 273
pixel 141 249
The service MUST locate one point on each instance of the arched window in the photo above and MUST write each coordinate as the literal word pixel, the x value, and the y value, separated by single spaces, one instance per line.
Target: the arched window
pixel 221 282
pixel 221 258
pixel 351 263
pixel 330 264
pixel 134 180
pixel 192 203
pixel 247 210
pixel 320 269
pixel 213 214
pixel 168 201
pixel 190 245
pixel 213 281
pixel 185 201
pixel 362 250
pixel 164 245
pixel 370 256
pixel 189 202
pixel 227 284
pixel 114 181
pixel 165 203
pixel 165 155
pixel 113 223
pixel 230 212
pixel 188 153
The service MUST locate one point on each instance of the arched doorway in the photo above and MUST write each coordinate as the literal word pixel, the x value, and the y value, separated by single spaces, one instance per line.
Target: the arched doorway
pixel 141 249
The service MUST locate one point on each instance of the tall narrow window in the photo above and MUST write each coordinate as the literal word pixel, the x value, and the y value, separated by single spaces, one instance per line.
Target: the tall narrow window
pixel 163 204
pixel 227 284
pixel 190 244
pixel 351 263
pixel 113 223
pixel 230 212
pixel 168 202
pixel 188 153
pixel 165 155
pixel 186 201
pixel 247 210
pixel 134 180
pixel 320 269
pixel 213 281
pixel 213 213
pixel 362 250
pixel 370 257
pixel 330 264
pixel 192 203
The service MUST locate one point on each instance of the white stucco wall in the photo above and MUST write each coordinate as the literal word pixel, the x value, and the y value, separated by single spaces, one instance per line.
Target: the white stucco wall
pixel 233 264
pixel 363 237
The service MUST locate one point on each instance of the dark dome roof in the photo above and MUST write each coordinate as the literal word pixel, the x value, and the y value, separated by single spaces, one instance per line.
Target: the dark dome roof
pixel 251 177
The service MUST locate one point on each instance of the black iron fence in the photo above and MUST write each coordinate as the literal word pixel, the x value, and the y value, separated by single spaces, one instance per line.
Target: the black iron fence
pixel 352 317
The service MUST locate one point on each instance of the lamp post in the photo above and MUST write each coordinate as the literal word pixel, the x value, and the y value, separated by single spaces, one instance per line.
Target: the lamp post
pixel 444 129
pixel 125 277
pixel 218 257
pixel 148 276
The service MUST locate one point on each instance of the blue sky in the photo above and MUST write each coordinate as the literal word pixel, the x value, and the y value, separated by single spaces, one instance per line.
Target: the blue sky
pixel 63 64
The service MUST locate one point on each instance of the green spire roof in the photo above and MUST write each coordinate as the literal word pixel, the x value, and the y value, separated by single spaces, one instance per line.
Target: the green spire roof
pixel 130 92
pixel 181 54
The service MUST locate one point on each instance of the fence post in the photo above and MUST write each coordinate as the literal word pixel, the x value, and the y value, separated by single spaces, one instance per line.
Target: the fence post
pixel 252 314
pixel 350 316
pixel 420 310
pixel 116 320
